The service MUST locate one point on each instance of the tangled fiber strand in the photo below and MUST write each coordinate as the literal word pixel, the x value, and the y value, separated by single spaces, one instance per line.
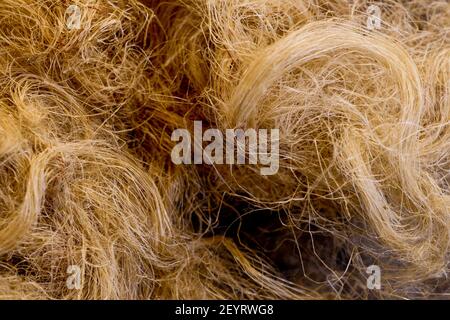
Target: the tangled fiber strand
pixel 87 179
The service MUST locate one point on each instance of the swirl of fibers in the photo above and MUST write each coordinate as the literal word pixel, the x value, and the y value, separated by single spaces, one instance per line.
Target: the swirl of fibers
pixel 86 117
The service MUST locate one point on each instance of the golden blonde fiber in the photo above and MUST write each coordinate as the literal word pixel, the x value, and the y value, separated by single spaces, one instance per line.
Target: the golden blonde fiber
pixel 86 176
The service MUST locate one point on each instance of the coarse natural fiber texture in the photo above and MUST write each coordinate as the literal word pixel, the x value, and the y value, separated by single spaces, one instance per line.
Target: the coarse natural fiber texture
pixel 86 176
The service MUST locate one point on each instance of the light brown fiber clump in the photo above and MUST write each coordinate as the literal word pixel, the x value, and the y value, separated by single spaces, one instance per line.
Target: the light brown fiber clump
pixel 86 177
